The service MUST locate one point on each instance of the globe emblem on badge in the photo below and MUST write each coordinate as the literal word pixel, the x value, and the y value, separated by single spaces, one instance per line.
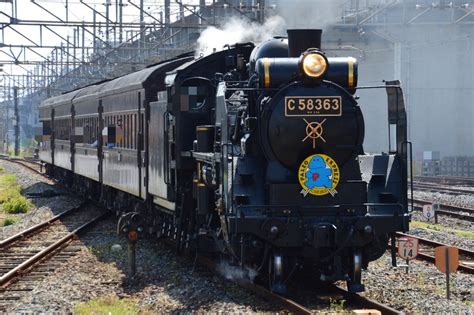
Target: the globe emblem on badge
pixel 318 175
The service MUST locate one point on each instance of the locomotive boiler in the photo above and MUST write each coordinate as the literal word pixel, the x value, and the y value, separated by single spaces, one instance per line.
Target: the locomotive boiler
pixel 253 153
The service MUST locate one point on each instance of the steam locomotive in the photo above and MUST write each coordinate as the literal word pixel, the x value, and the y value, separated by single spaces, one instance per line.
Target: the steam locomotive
pixel 252 153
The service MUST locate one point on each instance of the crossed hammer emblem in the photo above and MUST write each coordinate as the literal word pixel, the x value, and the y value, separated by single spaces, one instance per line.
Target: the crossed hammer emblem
pixel 314 131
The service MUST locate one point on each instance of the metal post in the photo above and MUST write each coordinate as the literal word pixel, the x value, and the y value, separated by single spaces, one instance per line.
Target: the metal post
pixel 67 55
pixel 132 257
pixel 17 119
pixel 75 43
pixel 167 13
pixel 67 10
pixel 83 43
pixel 94 30
pixel 213 12
pixel 16 9
pixel 107 4
pixel 446 255
pixel 8 116
pixel 393 249
pixel 120 21
pixel 57 63
pixel 202 5
pixel 142 27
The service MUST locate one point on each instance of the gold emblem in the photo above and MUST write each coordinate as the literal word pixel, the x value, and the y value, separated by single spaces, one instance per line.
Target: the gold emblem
pixel 318 175
pixel 314 131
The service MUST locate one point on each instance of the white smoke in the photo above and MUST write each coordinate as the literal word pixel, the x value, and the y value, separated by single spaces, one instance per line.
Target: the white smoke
pixel 236 273
pixel 238 30
pixel 288 14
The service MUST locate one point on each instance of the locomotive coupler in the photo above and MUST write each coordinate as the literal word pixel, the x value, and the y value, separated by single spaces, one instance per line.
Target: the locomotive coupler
pixel 131 226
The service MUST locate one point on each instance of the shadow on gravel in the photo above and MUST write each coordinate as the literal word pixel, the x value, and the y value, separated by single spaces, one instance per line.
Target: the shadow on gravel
pixel 166 282
pixel 47 195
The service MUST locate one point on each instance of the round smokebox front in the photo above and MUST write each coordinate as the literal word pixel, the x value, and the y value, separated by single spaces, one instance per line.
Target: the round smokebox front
pixel 304 120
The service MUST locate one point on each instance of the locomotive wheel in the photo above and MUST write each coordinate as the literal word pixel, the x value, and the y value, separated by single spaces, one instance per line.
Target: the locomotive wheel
pixel 276 272
pixel 355 285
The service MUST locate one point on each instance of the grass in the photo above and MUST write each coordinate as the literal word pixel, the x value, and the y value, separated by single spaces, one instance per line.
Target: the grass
pixel 336 304
pixel 9 221
pixel 107 305
pixel 440 228
pixel 11 199
pixel 17 204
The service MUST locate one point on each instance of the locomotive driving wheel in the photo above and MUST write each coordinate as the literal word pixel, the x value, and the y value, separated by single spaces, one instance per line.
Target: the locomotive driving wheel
pixel 276 274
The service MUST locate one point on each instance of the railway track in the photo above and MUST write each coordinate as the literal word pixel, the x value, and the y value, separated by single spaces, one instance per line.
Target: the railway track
pixel 466 214
pixel 441 188
pixel 426 252
pixel 354 300
pixel 448 180
pixel 27 257
pixel 290 304
pixel 31 164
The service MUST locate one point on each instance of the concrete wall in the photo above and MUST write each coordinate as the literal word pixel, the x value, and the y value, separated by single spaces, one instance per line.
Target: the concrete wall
pixel 435 64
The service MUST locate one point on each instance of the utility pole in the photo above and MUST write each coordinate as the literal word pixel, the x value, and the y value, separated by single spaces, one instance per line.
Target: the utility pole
pixel 17 121
pixel 141 41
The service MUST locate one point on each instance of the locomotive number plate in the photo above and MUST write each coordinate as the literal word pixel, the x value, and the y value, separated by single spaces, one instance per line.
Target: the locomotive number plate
pixel 313 106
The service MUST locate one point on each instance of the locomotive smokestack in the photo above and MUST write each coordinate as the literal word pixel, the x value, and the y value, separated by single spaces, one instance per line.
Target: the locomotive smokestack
pixel 300 40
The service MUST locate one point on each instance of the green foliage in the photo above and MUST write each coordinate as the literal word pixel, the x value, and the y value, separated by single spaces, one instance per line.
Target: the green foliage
pixel 336 304
pixel 2 168
pixel 8 187
pixel 107 305
pixel 10 195
pixel 17 204
pixel 9 221
pixel 440 228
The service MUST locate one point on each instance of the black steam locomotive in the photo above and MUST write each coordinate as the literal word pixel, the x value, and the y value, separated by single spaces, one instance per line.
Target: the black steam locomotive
pixel 251 153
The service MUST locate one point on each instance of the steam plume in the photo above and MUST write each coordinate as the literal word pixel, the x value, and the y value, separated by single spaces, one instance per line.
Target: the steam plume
pixel 289 14
pixel 238 31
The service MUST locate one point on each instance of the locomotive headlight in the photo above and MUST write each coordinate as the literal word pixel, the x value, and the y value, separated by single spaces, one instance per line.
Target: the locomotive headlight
pixel 314 64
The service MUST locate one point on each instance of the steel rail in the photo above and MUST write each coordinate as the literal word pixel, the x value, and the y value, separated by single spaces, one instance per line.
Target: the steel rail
pixel 295 307
pixel 19 270
pixel 430 258
pixel 446 179
pixel 365 302
pixel 425 241
pixel 18 161
pixel 465 217
pixel 434 186
pixel 283 302
pixel 445 206
pixel 36 228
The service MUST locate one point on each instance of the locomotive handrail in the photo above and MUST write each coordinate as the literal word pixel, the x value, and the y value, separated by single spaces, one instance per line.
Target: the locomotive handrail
pixel 409 146
pixel 377 87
